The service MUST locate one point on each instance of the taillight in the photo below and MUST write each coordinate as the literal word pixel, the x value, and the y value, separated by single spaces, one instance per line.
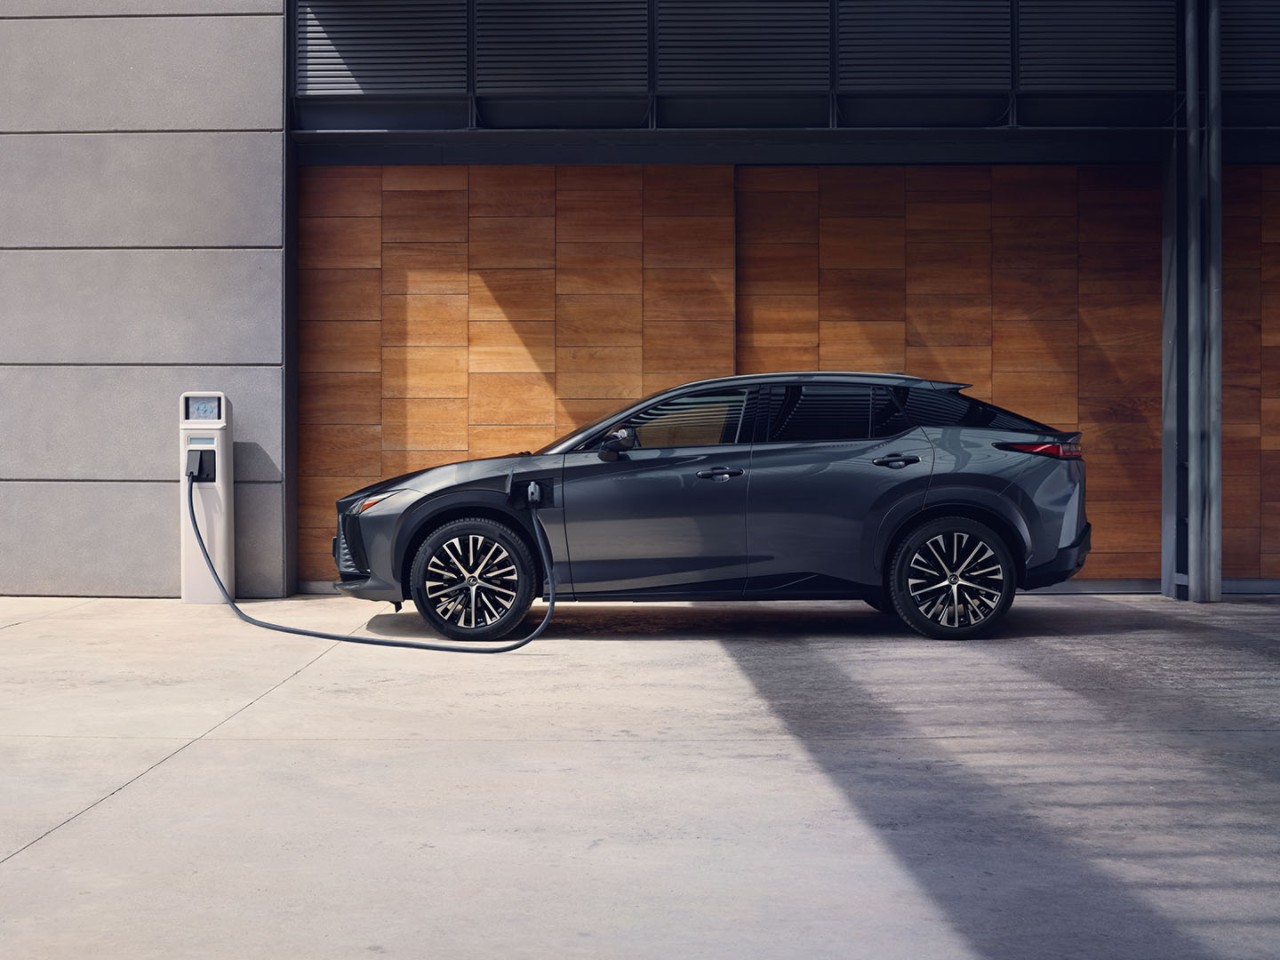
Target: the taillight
pixel 1059 451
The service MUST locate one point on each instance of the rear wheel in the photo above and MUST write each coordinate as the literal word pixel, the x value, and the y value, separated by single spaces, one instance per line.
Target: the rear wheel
pixel 952 578
pixel 473 579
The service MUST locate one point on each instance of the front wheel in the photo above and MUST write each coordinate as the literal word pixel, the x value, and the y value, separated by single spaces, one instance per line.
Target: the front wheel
pixel 952 579
pixel 473 579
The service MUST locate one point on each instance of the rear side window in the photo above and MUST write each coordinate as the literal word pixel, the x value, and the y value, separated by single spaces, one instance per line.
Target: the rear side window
pixel 818 412
pixel 948 408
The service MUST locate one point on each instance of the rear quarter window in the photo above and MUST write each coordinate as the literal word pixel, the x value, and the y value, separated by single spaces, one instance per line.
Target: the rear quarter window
pixel 949 408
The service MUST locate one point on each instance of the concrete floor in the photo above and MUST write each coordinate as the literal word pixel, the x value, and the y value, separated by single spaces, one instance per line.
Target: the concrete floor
pixel 1102 780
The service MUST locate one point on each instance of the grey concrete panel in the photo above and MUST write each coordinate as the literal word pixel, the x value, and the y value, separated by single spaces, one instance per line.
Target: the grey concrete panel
pixel 142 73
pixel 90 539
pixel 121 539
pixel 260 546
pixel 121 423
pixel 133 8
pixel 141 190
pixel 141 306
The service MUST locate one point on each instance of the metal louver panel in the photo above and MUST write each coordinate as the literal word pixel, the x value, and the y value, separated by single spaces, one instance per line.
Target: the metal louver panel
pixel 396 47
pixel 727 46
pixel 924 45
pixel 1098 45
pixel 578 46
pixel 1251 46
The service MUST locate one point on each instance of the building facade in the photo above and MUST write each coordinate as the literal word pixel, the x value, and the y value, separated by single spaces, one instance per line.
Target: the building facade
pixel 405 232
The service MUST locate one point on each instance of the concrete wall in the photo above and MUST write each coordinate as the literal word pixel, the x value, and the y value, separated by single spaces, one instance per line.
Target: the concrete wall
pixel 141 255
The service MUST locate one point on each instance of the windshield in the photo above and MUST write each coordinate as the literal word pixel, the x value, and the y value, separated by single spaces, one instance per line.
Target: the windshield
pixel 612 417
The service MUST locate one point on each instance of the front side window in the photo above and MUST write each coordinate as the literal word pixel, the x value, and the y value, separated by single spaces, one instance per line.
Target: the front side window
pixel 695 420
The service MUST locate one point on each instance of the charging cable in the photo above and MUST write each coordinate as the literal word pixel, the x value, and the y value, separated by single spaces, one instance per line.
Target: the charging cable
pixel 543 550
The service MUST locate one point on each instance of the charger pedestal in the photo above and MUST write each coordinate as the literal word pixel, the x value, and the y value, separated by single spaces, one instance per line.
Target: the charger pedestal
pixel 205 447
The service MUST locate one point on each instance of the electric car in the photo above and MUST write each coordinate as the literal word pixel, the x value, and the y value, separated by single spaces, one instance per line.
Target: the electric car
pixel 901 492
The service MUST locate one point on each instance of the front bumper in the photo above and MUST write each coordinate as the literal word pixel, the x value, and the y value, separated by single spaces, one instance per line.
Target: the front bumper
pixel 1066 564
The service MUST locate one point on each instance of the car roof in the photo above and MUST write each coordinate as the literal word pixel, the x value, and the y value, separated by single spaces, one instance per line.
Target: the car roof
pixel 887 379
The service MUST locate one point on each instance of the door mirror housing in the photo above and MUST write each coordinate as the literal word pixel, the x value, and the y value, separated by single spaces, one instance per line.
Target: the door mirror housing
pixel 617 442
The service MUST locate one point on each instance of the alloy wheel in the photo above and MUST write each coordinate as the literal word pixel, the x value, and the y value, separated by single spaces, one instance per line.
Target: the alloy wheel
pixel 472 581
pixel 956 579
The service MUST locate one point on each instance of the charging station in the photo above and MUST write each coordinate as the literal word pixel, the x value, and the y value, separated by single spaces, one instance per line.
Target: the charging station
pixel 205 460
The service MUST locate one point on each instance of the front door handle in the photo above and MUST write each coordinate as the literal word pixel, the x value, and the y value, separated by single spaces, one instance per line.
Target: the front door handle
pixel 719 474
pixel 895 461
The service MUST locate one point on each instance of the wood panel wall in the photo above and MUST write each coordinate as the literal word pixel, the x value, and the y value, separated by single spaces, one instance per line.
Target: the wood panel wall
pixel 455 312
pixel 1038 285
pixel 1251 372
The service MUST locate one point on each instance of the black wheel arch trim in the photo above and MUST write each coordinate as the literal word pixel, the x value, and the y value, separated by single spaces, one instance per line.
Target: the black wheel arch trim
pixel 997 514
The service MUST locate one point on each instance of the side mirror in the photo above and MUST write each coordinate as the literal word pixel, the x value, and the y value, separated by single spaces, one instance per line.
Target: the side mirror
pixel 617 442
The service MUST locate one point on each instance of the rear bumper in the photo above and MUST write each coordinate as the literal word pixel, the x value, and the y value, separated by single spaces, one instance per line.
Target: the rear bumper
pixel 1066 564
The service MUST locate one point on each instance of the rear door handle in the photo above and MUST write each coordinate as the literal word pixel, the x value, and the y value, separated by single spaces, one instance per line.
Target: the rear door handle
pixel 895 461
pixel 719 474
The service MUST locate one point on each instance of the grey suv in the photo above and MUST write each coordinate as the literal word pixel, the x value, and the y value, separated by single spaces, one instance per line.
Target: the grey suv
pixel 901 492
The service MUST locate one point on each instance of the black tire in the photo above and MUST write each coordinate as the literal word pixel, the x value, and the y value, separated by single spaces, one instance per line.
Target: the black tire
pixel 482 579
pixel 928 585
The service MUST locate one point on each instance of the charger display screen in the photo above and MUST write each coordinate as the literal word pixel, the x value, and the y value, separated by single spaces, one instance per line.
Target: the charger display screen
pixel 204 408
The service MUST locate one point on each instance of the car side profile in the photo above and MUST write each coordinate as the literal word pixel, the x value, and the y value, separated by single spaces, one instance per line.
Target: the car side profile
pixel 901 492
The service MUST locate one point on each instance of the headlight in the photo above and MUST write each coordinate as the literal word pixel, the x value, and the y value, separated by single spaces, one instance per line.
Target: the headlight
pixel 360 506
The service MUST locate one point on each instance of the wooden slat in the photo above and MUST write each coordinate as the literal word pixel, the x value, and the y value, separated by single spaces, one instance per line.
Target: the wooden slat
pixel 598 321
pixel 1127 527
pixel 340 450
pixel 334 347
pixel 948 268
pixel 1039 295
pixel 1118 372
pixel 1241 499
pixel 339 294
pixel 318 496
pixel 1241 403
pixel 948 221
pixel 424 371
pixel 1271 314
pixel 1047 396
pixel 933 181
pixel 1242 352
pixel 339 242
pixel 524 398
pixel 1242 449
pixel 777 179
pixel 1242 243
pixel 862 191
pixel 948 320
pixel 339 196
pixel 1241 295
pixel 1271 527
pixel 1117 477
pixel 1048 347
pixel 498 441
pixel 688 241
pixel 865 243
pixel 754 359
pixel 596 177
pixel 507 191
pixel 599 216
pixel 1270 260
pixel 1269 369
pixel 1241 191
pixel 874 346
pixel 1120 320
pixel 424 320
pixel 688 294
pixel 599 268
pixel 339 398
pixel 1241 551
pixel 777 322
pixel 688 190
pixel 778 217
pixel 315 559
pixel 424 178
pixel 653 382
pixel 572 414
pixel 513 242
pixel 1037 243
pixel 424 216
pixel 415 424
pixel 1121 268
pixel 599 372
pixel 424 268
pixel 1018 191
pixel 1271 217
pixel 512 294
pixel 687 346
pixel 777 269
pixel 513 347
pixel 1270 472
pixel 863 295
pixel 1121 566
